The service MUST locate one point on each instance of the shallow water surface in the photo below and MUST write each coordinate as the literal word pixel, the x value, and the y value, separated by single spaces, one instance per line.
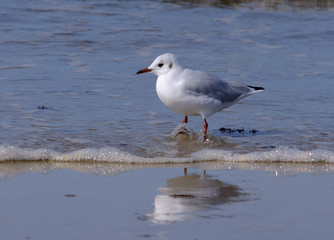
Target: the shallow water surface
pixel 168 205
pixel 69 84
pixel 70 100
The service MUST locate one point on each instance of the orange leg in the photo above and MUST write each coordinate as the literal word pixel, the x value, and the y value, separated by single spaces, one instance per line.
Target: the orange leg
pixel 205 126
pixel 185 120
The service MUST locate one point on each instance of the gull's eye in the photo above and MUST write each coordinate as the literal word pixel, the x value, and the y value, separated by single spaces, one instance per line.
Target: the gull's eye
pixel 160 64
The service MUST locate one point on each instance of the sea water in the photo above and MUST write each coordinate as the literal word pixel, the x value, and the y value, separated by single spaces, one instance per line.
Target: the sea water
pixel 69 91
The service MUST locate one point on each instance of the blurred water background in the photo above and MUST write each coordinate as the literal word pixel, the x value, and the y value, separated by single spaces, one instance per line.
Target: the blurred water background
pixel 69 90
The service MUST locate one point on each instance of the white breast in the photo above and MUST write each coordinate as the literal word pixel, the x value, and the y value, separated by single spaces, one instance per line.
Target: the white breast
pixel 173 94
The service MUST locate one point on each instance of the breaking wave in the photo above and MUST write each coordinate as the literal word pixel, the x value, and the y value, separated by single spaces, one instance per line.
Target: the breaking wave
pixel 114 155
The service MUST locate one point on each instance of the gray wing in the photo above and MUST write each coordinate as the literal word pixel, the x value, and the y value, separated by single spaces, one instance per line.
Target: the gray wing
pixel 200 83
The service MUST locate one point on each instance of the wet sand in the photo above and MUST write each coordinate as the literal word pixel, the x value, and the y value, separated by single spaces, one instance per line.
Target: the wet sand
pixel 159 202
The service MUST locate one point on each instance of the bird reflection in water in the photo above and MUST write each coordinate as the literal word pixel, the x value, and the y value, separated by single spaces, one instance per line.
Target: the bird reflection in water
pixel 187 195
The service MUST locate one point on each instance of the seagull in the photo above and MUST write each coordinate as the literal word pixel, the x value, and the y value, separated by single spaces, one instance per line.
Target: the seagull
pixel 194 93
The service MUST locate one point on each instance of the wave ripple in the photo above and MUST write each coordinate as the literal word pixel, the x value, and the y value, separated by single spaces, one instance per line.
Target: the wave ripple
pixel 114 155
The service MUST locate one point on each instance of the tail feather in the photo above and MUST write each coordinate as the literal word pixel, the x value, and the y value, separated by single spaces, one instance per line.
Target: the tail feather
pixel 256 88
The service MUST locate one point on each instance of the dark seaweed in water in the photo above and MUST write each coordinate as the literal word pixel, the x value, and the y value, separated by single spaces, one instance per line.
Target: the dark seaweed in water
pixel 237 130
pixel 70 195
pixel 42 107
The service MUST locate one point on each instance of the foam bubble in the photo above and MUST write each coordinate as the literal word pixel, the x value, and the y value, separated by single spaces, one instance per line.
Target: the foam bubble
pixel 114 155
pixel 108 154
pixel 279 154
pixel 10 153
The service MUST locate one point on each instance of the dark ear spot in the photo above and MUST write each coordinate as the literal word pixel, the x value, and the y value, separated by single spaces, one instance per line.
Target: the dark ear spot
pixel 170 65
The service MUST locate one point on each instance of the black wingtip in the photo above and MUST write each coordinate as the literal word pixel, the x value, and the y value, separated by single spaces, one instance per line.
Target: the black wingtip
pixel 256 88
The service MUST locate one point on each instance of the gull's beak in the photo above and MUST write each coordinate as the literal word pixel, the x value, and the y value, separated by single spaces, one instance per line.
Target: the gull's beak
pixel 145 70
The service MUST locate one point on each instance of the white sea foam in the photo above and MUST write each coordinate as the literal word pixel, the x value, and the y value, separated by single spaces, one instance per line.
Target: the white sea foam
pixel 114 155
pixel 279 154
